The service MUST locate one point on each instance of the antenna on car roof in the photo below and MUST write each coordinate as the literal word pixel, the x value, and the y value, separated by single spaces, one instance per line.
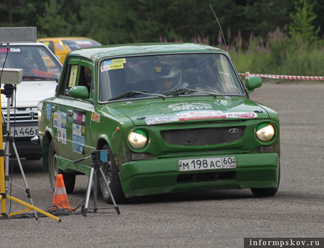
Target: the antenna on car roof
pixel 219 27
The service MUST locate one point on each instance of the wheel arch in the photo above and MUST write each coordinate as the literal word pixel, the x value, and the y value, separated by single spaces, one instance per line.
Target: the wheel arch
pixel 47 138
pixel 105 141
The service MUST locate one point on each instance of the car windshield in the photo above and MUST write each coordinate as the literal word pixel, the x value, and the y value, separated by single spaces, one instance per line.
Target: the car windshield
pixel 36 61
pixel 80 43
pixel 168 75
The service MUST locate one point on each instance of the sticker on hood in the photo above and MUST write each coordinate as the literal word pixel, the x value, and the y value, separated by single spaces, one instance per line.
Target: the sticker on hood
pixel 211 114
pixel 189 106
pixel 198 115
pixel 161 119
pixel 242 115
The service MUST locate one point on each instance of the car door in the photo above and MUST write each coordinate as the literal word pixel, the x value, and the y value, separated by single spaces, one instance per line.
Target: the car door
pixel 72 115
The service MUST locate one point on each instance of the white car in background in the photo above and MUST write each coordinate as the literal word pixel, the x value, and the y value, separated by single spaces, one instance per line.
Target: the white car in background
pixel 41 71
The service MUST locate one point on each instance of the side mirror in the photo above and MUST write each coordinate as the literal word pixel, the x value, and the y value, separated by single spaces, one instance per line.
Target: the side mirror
pixel 252 83
pixel 79 92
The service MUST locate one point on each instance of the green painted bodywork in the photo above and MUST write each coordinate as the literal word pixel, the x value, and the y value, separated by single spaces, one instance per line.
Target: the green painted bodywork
pixel 160 176
pixel 154 168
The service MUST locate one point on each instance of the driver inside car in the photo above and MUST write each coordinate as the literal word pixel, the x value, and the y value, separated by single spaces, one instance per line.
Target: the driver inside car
pixel 169 79
pixel 27 64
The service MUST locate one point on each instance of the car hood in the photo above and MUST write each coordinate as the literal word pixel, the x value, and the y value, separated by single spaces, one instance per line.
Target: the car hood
pixel 170 110
pixel 29 93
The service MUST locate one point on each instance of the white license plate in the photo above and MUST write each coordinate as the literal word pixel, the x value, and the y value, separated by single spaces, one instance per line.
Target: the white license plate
pixel 30 131
pixel 196 164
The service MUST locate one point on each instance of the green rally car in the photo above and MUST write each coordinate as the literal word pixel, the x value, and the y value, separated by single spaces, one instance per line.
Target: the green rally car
pixel 173 117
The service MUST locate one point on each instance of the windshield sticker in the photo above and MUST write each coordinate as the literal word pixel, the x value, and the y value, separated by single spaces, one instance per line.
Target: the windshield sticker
pixel 11 50
pixel 161 119
pixel 113 64
pixel 189 106
pixel 114 61
pixel 116 66
pixel 78 131
pixel 119 61
pixel 111 67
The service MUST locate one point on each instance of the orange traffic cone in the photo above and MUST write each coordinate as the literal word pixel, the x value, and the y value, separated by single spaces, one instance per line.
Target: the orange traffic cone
pixel 60 198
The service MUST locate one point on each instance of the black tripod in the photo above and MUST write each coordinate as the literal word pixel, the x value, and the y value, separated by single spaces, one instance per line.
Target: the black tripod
pixel 95 166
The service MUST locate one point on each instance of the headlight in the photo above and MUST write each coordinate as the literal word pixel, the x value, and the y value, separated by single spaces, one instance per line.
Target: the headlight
pixel 265 132
pixel 137 139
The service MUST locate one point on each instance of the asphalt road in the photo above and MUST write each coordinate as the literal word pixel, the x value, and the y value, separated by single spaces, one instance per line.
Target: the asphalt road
pixel 220 218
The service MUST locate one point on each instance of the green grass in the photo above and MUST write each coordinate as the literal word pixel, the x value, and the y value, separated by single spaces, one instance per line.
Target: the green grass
pixel 281 57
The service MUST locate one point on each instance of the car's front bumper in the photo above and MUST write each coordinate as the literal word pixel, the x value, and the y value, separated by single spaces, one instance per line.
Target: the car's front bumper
pixel 25 148
pixel 146 177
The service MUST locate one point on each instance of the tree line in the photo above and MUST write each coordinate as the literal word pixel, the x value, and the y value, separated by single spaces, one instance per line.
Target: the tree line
pixel 128 21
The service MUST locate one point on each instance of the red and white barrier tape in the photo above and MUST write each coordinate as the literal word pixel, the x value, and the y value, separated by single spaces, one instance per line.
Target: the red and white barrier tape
pixel 247 74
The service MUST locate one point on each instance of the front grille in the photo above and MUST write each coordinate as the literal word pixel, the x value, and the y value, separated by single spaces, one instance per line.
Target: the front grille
pixel 202 136
pixel 21 115
pixel 206 177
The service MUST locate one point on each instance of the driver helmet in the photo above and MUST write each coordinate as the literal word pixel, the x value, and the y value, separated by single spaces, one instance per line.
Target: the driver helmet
pixel 168 78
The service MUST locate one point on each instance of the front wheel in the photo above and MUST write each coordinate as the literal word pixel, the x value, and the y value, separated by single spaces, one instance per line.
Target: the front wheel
pixel 264 192
pixel 111 174
pixel 69 178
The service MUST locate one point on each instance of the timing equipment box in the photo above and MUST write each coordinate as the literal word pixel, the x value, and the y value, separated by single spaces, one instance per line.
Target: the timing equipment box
pixel 11 76
pixel 18 34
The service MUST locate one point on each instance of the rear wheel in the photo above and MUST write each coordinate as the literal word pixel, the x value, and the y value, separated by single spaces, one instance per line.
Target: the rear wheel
pixel 111 174
pixel 69 178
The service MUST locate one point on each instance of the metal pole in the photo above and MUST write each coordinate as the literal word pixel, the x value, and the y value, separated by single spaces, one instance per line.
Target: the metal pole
pixel 2 171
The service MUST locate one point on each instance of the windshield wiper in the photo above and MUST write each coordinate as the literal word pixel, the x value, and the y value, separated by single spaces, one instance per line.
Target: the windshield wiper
pixel 180 91
pixel 188 90
pixel 134 93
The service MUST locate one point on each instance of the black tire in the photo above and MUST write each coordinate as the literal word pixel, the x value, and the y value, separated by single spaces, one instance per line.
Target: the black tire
pixel 69 178
pixel 266 192
pixel 111 172
pixel 33 157
pixel 52 169
pixel 69 181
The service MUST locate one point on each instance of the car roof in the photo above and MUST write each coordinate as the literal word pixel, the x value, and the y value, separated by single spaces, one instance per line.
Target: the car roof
pixel 65 38
pixel 98 53
pixel 25 44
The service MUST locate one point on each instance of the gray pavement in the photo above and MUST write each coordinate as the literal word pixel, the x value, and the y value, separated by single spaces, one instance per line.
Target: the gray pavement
pixel 220 218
